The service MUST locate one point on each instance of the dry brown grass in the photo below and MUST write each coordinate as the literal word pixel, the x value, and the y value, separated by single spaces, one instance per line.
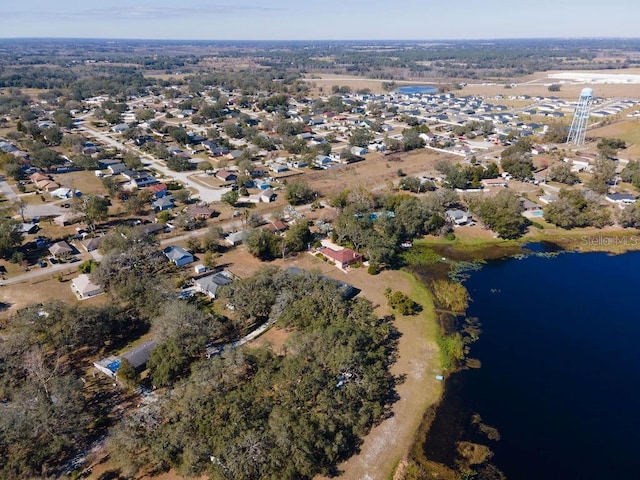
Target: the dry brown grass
pixel 375 171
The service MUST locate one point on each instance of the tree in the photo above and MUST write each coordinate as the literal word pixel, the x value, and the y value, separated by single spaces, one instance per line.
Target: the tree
pixel 180 164
pixel 94 208
pixel 631 173
pixel 415 185
pixel 20 206
pixel 10 236
pixel 519 166
pixel 573 209
pixel 561 172
pixel 231 197
pixel 556 133
pixel 516 159
pixel 411 140
pixel 554 87
pixel 181 195
pixel 45 158
pixel 630 216
pixel 53 136
pixel 127 374
pixel 263 244
pixel 502 214
pixel 298 236
pixel 608 147
pixel 604 171
pixel 360 137
pixel 299 193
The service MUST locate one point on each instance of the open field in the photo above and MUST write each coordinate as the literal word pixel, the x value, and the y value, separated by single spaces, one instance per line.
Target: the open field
pixel 21 294
pixel 375 171
pixel 538 83
pixel 627 130
pixel 326 81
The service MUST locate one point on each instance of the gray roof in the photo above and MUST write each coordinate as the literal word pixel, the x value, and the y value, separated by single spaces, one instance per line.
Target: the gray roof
pixel 456 214
pixel 175 253
pixel 237 237
pixel 138 356
pixel 211 283
pixel 60 248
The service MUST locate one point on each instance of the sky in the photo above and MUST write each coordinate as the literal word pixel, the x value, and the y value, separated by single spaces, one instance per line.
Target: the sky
pixel 318 20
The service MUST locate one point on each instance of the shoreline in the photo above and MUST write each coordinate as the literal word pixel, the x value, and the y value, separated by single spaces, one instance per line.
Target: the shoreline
pixel 613 242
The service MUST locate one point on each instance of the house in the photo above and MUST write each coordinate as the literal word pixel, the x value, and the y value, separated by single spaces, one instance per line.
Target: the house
pixel 268 195
pixel 61 249
pixel 62 192
pixel 200 211
pixel 621 198
pixel 529 206
pixel 150 229
pixel 341 258
pixel 237 238
pixel 158 190
pixel 68 218
pixel 258 171
pixel 84 288
pixel 178 255
pixel 137 356
pixel 91 244
pixel 457 217
pixel 28 228
pixel 163 203
pixel 322 160
pixel 141 180
pixel 116 168
pixel 47 185
pixel 278 167
pixel 358 151
pixel 210 284
pixel 121 128
pixel 38 177
pixel 276 226
pixel 548 198
pixel 226 176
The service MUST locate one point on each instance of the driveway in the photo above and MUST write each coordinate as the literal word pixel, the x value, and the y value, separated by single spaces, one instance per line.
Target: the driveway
pixel 6 189
pixel 44 210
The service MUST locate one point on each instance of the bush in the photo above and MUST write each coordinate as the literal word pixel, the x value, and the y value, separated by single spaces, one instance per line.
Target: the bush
pixel 401 302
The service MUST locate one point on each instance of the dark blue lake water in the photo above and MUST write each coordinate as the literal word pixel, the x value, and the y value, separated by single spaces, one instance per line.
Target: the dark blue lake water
pixel 416 89
pixel 560 375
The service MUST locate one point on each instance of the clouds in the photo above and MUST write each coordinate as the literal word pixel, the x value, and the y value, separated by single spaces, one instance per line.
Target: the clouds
pixel 138 12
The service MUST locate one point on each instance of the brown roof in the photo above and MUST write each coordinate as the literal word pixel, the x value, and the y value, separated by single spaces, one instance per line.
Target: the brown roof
pixel 276 226
pixel 345 256
pixel 36 177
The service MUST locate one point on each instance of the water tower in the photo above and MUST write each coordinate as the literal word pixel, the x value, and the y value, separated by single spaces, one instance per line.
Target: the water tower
pixel 578 130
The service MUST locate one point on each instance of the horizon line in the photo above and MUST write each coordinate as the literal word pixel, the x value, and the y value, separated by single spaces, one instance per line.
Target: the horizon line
pixel 326 39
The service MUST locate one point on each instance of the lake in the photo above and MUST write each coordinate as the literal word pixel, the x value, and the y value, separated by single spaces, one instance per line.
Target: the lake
pixel 560 368
pixel 416 89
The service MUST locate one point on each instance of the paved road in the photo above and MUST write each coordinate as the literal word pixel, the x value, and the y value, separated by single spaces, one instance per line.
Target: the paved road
pixel 205 193
pixel 6 189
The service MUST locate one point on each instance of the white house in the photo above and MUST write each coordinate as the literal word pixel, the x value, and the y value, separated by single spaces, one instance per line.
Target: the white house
pixel 620 198
pixel 84 288
pixel 457 217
